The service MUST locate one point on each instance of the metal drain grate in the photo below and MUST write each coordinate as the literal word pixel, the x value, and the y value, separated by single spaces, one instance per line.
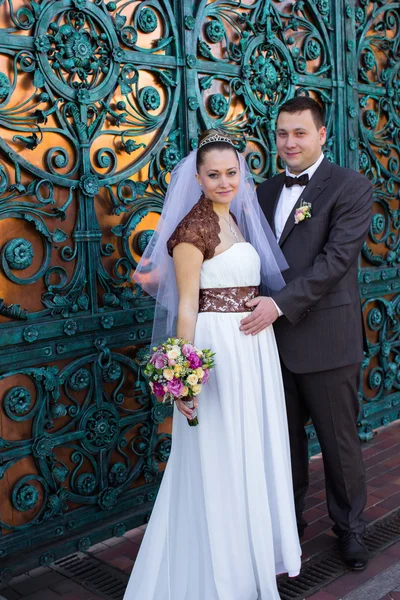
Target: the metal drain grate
pixel 325 567
pixel 94 575
pixel 110 583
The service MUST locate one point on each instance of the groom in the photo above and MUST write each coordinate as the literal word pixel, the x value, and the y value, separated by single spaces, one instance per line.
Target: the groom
pixel 317 315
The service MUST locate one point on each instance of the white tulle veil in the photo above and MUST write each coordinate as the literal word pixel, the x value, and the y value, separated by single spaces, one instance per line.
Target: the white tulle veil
pixel 155 271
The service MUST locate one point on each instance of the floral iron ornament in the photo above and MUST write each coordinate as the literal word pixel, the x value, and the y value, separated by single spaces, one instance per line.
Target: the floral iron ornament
pixel 12 311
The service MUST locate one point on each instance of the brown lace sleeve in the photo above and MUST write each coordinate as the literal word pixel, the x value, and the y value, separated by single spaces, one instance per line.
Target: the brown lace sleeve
pixel 200 228
pixel 188 233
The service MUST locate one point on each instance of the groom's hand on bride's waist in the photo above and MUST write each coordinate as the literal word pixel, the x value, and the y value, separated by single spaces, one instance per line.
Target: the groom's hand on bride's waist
pixel 264 314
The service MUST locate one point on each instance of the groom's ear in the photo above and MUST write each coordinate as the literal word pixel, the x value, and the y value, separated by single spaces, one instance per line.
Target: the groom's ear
pixel 322 135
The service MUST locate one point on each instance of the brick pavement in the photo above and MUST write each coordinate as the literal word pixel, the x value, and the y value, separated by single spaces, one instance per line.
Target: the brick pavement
pixel 382 461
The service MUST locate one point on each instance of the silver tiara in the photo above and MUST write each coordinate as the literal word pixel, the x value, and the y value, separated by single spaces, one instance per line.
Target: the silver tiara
pixel 215 137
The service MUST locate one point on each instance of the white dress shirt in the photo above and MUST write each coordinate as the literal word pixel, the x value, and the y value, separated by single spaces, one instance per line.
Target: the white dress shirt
pixel 289 197
pixel 287 201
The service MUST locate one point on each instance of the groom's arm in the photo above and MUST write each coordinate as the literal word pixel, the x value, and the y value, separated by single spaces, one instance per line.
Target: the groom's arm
pixel 349 226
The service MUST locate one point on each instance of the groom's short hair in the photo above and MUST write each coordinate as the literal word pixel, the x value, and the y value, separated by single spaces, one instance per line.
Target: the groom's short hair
pixel 302 103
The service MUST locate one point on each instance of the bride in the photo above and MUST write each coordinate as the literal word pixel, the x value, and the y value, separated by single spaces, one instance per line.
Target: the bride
pixel 223 524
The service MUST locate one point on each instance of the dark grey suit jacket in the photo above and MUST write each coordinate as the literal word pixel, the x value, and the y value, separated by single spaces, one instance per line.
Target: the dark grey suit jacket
pixel 322 324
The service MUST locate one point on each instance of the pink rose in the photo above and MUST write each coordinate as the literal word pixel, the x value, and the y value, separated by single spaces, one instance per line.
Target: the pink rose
pixel 159 360
pixel 175 387
pixel 206 376
pixel 194 361
pixel 158 389
pixel 187 349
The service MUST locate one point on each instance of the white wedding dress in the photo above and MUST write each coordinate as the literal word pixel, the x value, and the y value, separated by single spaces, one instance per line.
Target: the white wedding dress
pixel 223 524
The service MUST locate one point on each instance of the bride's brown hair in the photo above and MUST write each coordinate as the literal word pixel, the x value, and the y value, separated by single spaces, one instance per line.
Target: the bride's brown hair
pixel 201 152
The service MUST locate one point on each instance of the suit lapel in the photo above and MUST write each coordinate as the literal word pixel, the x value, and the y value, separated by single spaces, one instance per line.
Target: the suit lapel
pixel 269 204
pixel 316 186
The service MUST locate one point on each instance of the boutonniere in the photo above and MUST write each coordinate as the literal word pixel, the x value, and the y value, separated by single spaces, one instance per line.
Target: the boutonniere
pixel 303 212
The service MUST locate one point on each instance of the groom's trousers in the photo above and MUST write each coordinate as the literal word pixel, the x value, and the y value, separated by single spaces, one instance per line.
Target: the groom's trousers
pixel 330 399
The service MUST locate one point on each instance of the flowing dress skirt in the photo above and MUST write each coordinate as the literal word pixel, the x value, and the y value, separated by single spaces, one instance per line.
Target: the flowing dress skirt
pixel 224 522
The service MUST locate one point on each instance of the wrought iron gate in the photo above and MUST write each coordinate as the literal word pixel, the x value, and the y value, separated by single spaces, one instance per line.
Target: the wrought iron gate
pixel 98 102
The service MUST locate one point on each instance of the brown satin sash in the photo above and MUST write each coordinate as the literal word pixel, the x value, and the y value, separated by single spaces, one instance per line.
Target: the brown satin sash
pixel 227 300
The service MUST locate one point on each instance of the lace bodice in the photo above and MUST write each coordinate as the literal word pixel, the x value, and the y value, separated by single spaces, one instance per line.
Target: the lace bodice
pixel 200 227
pixel 238 266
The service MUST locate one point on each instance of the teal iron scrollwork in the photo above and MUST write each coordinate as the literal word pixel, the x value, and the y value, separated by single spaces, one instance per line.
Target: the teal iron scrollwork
pixel 12 311
pixel 89 104
pixel 378 59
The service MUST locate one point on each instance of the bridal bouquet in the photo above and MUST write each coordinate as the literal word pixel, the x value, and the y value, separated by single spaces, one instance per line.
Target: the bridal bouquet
pixel 178 370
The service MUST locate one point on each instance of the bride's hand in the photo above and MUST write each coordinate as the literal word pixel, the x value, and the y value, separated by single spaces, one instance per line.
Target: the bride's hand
pixel 184 408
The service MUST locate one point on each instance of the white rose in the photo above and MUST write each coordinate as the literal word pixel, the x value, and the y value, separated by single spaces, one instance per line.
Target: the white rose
pixel 196 389
pixel 174 353
pixel 200 373
pixel 168 374
pixel 192 379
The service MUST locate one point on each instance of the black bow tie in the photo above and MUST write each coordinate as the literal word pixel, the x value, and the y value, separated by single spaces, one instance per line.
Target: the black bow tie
pixel 302 180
